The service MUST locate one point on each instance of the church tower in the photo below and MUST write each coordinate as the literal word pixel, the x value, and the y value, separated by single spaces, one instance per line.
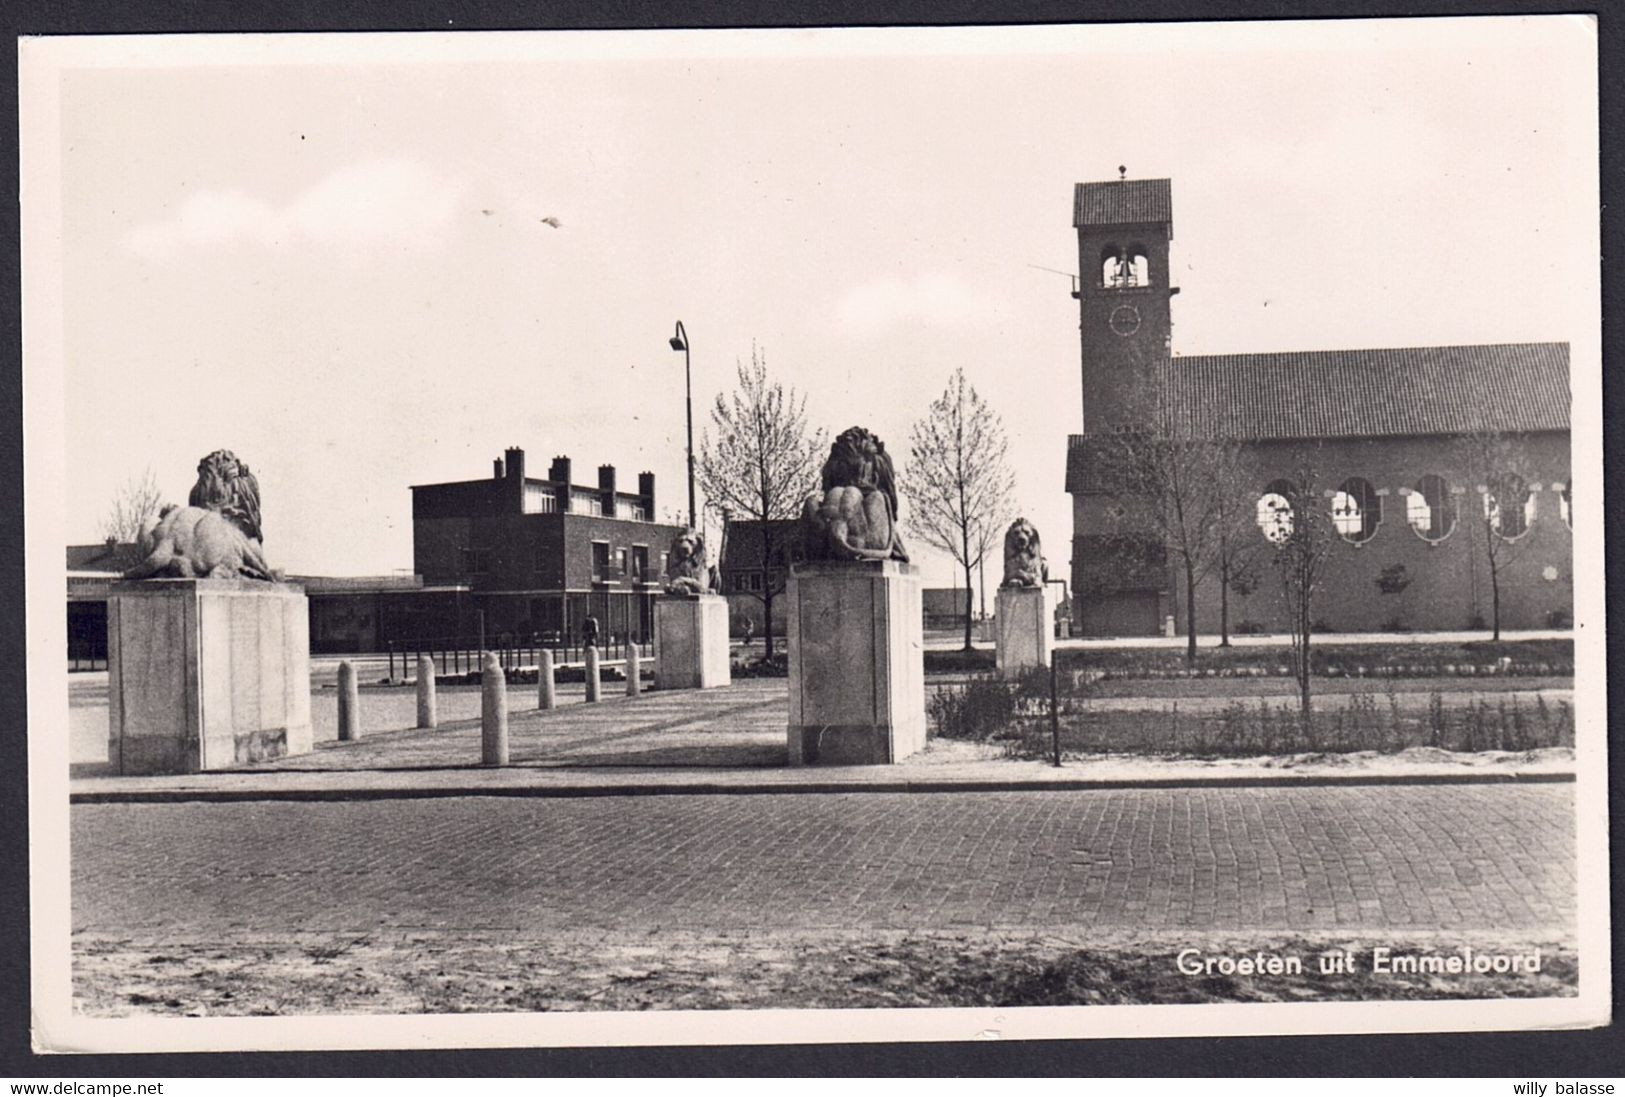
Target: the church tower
pixel 1124 227
pixel 1119 569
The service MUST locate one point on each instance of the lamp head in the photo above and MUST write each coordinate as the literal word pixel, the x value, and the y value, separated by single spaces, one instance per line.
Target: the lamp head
pixel 677 343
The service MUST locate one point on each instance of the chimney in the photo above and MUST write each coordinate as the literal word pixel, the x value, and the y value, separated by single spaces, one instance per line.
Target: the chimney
pixel 559 473
pixel 606 489
pixel 496 468
pixel 646 492
pixel 515 487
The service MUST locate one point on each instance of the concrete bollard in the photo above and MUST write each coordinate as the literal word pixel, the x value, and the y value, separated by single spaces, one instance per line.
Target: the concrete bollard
pixel 634 669
pixel 546 695
pixel 426 706
pixel 593 684
pixel 349 704
pixel 493 712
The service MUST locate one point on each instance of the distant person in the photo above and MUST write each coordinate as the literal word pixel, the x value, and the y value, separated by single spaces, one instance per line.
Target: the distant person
pixel 589 632
pixel 748 631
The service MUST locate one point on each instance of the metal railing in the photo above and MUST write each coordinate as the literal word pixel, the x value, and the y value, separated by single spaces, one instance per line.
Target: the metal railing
pixel 460 655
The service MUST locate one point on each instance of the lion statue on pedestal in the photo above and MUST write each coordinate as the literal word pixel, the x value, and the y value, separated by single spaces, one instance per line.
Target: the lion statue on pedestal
pixel 686 570
pixel 1024 564
pixel 855 518
pixel 216 536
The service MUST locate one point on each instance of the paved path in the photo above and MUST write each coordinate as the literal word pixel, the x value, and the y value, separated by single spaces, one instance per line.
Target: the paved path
pixel 1454 858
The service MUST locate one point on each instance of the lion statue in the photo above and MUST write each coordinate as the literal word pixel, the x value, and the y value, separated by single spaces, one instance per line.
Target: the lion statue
pixel 193 543
pixel 225 484
pixel 217 535
pixel 855 518
pixel 686 570
pixel 1024 564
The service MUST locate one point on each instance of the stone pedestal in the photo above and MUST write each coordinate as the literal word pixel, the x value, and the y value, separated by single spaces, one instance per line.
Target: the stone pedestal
pixel 857 663
pixel 691 641
pixel 1025 617
pixel 206 673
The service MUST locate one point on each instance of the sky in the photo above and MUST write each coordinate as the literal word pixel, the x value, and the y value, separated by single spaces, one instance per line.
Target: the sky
pixel 329 255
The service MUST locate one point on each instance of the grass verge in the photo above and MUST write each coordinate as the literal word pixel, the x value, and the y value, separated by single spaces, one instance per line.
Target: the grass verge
pixel 429 972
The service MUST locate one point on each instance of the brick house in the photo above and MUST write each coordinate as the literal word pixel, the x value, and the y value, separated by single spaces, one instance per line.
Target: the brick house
pixel 538 555
pixel 753 572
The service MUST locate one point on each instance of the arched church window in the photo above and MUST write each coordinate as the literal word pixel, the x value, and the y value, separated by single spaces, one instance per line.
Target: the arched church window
pixel 1509 506
pixel 1356 510
pixel 1139 267
pixel 1275 512
pixel 1564 507
pixel 1111 266
pixel 1430 509
pixel 1124 268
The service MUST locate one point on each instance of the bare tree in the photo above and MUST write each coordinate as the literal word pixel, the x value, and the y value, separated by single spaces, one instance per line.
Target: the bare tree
pixel 760 465
pixel 135 504
pixel 957 481
pixel 1191 494
pixel 1500 470
pixel 1302 532
pixel 1238 549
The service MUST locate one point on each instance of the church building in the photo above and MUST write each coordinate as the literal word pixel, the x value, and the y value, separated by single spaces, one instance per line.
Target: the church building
pixel 1443 470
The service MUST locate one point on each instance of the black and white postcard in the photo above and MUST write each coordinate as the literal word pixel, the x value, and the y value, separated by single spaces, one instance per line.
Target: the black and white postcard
pixel 802 535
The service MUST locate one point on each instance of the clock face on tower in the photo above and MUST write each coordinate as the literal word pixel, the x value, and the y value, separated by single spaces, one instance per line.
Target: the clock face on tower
pixel 1125 320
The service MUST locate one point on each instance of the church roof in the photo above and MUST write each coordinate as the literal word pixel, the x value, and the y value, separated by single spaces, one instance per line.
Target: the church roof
pixel 1516 387
pixel 1122 201
pixel 1409 391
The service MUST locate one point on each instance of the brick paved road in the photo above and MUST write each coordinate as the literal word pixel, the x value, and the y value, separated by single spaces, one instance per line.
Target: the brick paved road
pixel 1467 858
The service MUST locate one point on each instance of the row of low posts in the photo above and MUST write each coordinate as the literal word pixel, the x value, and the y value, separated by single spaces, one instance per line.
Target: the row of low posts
pixel 207 674
pixel 493 697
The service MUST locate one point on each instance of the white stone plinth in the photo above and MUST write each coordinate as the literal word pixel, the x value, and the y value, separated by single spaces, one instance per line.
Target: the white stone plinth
pixel 206 673
pixel 1025 617
pixel 857 663
pixel 691 641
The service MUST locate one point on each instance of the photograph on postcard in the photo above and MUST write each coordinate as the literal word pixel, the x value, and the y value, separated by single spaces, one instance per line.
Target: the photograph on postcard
pixel 977 607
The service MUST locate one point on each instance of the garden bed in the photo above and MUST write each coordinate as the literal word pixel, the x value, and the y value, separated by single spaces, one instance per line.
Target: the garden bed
pixel 1016 715
pixel 1328 658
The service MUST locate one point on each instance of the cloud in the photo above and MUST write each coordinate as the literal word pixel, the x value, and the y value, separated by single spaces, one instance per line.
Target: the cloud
pixel 371 203
pixel 936 298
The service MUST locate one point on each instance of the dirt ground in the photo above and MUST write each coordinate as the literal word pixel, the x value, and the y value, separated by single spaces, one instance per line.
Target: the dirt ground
pixel 433 972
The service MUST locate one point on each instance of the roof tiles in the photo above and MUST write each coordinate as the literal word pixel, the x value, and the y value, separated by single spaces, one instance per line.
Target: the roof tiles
pixel 1122 201
pixel 1373 393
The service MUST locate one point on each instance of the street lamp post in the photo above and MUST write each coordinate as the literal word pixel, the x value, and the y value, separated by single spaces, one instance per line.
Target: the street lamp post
pixel 679 341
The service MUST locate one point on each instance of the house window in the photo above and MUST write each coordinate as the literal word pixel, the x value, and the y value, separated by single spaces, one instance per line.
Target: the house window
pixel 540 499
pixel 640 563
pixel 1275 512
pixel 600 561
pixel 623 559
pixel 1430 509
pixel 1509 506
pixel 1356 510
